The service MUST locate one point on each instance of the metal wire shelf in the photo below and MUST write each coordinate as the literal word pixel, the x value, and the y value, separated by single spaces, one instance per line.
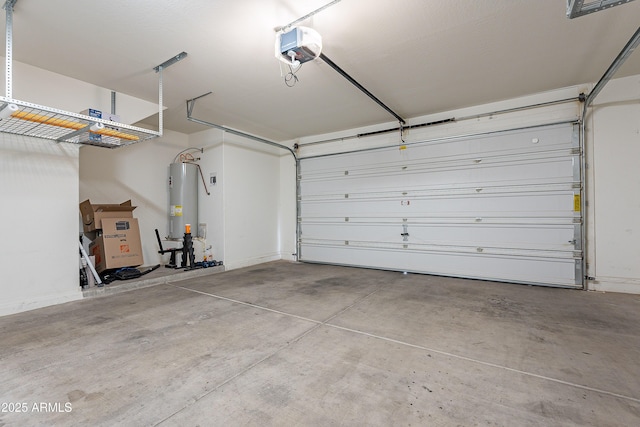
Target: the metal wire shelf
pixel 62 126
pixel 28 119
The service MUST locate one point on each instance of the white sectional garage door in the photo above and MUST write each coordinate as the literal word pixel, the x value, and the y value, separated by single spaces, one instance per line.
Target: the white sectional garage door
pixel 503 206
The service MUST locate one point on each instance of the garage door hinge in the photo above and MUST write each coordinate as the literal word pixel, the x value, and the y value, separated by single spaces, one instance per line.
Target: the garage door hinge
pixel 405 233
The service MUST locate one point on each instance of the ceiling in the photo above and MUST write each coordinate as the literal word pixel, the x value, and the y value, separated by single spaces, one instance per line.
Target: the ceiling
pixel 416 56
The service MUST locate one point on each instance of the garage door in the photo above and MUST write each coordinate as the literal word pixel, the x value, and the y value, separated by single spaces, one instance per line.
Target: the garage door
pixel 502 206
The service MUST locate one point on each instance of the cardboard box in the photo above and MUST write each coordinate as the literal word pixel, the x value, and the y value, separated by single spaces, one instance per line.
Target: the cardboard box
pixel 118 246
pixel 92 113
pixel 92 215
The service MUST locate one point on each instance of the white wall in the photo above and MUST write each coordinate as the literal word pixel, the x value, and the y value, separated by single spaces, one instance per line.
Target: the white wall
pixel 615 144
pixel 251 205
pixel 242 209
pixel 39 257
pixel 211 206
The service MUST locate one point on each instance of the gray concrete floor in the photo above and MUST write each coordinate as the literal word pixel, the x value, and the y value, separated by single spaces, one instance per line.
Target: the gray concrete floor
pixel 300 344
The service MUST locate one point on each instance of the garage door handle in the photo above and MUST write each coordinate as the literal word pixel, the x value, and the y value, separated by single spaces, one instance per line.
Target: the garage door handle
pixel 404 234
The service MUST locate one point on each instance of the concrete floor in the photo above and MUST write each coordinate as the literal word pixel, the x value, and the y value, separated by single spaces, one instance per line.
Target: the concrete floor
pixel 300 344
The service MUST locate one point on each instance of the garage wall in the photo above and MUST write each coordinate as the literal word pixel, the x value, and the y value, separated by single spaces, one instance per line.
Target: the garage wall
pixel 39 182
pixel 241 212
pixel 251 204
pixel 254 212
pixel 211 207
pixel 242 209
pixel 615 143
pixel 138 172
pixel 39 227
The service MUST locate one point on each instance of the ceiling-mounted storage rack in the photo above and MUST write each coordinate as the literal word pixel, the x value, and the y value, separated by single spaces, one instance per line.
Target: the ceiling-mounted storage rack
pixel 28 119
pixel 24 118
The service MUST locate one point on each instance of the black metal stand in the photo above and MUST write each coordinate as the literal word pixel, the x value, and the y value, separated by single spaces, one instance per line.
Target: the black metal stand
pixel 172 260
pixel 188 256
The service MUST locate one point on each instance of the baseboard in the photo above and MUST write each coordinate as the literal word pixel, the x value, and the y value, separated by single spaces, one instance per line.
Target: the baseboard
pixel 615 284
pixel 14 307
pixel 248 262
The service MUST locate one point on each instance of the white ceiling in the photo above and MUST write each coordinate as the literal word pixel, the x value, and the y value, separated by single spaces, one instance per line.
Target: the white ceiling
pixel 417 56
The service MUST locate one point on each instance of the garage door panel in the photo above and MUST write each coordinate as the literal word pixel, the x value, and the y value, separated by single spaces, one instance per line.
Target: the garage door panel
pixel 512 195
pixel 532 237
pixel 506 143
pixel 467 265
pixel 479 205
pixel 549 168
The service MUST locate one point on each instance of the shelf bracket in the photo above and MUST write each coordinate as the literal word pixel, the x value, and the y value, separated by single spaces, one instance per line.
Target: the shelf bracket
pixel 74 133
pixel 8 7
pixel 576 8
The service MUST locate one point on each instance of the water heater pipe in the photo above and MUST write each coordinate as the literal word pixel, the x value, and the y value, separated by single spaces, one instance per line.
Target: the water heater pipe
pixel 204 183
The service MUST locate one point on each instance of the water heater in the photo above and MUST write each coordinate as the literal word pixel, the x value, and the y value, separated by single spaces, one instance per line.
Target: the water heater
pixel 183 198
